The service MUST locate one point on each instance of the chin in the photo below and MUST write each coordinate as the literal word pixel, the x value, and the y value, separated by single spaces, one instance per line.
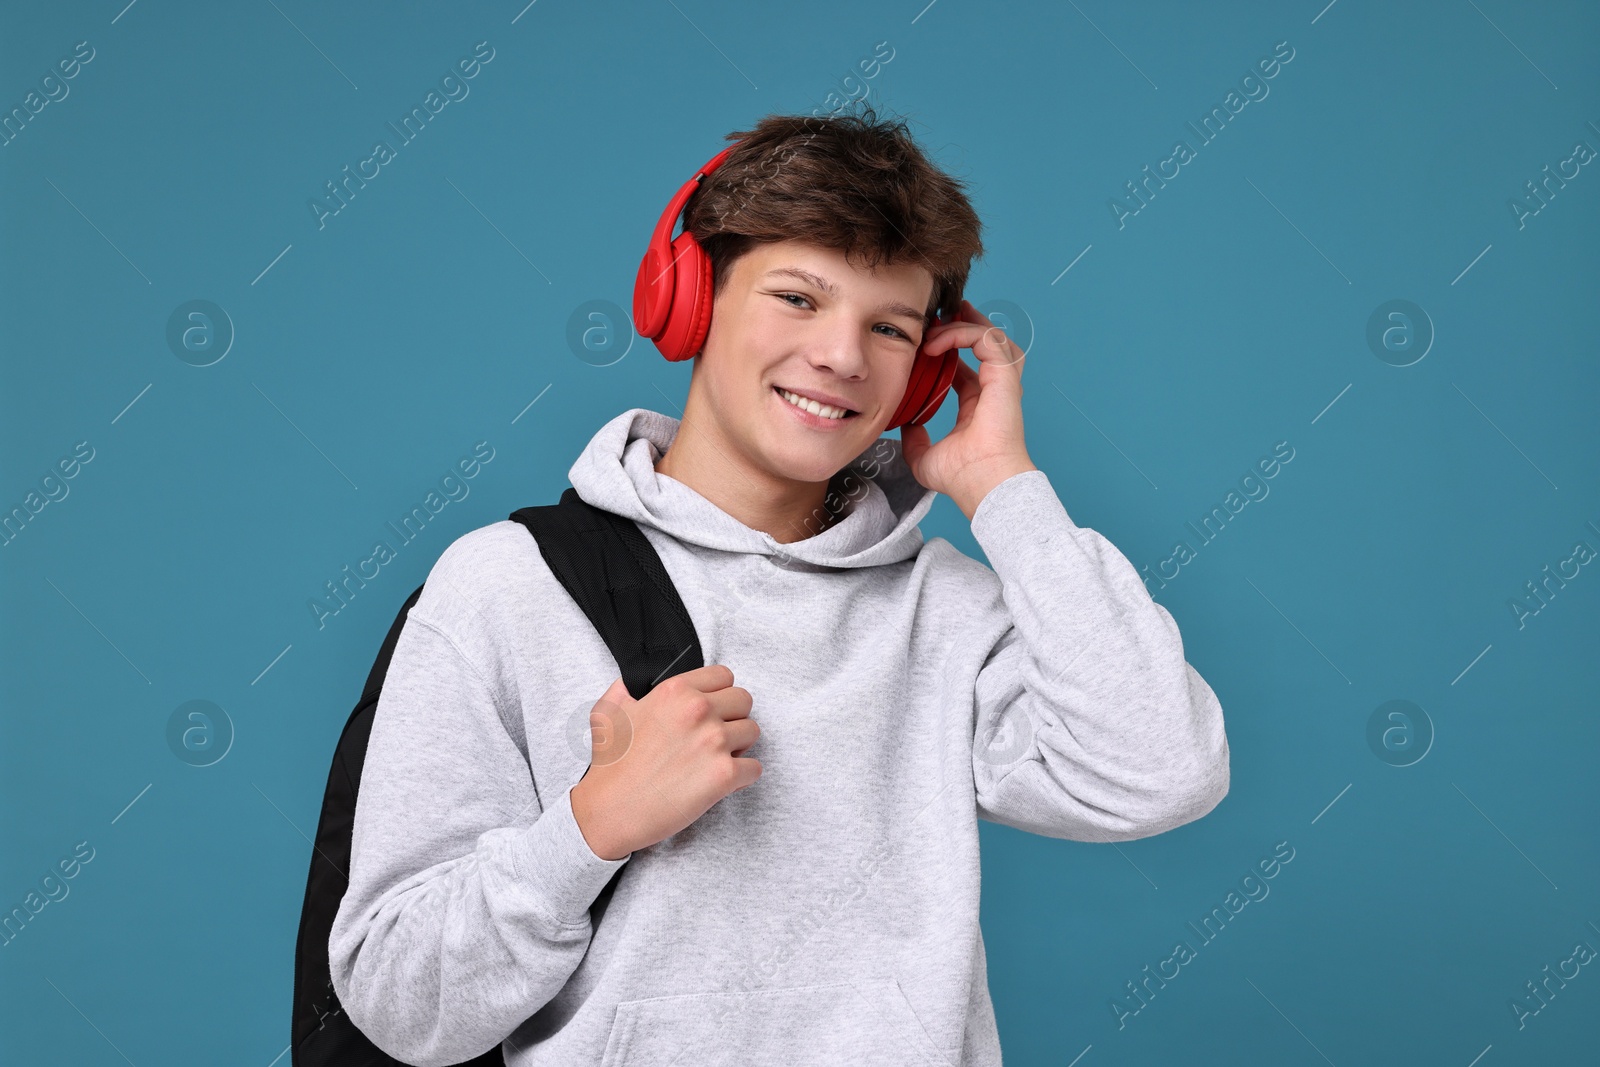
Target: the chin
pixel 812 465
pixel 810 469
pixel 812 457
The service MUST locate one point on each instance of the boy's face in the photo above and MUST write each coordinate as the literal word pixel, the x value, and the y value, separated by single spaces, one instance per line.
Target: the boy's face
pixel 843 334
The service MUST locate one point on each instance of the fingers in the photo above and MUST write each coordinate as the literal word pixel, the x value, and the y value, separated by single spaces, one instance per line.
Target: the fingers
pixel 715 680
pixel 708 679
pixel 1007 351
pixel 732 703
pixel 972 330
pixel 742 735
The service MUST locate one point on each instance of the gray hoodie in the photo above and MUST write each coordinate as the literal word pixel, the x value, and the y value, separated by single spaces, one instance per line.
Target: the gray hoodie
pixel 826 914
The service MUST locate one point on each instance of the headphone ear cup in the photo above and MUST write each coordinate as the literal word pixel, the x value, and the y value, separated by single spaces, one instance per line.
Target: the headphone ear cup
pixel 940 388
pixel 700 325
pixel 652 294
pixel 688 316
pixel 930 384
pixel 916 388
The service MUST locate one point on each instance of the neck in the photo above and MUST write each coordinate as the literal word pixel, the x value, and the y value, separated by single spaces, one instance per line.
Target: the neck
pixel 702 459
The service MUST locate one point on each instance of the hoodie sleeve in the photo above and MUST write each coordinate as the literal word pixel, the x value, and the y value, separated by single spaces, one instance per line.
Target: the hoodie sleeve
pixel 1090 724
pixel 468 905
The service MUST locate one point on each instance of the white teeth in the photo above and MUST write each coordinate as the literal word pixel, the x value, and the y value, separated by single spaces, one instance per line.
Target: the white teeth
pixel 812 406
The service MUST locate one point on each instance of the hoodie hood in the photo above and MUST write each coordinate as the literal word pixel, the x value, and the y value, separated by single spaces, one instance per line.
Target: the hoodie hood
pixel 616 472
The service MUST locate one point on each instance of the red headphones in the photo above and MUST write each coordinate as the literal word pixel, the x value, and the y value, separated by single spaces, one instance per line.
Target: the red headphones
pixel 672 307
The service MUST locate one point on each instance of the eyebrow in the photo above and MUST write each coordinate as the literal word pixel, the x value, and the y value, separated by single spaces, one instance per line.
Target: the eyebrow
pixel 893 307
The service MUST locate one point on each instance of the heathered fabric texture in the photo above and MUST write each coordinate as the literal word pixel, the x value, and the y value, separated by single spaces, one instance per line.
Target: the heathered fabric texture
pixel 826 914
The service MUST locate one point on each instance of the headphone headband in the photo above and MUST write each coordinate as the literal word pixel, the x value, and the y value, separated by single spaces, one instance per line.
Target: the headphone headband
pixel 661 239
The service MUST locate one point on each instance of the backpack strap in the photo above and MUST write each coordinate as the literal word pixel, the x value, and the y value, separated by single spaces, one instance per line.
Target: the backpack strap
pixel 616 577
pixel 608 566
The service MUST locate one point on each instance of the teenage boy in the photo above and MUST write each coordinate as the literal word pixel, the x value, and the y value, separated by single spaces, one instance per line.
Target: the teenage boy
pixel 798 852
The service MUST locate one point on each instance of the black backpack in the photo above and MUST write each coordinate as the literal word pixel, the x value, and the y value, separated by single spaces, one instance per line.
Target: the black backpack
pixel 615 576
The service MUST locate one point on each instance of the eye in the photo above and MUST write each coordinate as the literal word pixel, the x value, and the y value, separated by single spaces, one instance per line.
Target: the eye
pixel 806 302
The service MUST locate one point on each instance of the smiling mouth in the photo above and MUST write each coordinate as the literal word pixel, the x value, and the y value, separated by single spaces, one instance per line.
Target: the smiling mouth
pixel 811 406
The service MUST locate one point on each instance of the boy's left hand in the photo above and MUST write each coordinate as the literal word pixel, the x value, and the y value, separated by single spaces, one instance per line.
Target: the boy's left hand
pixel 985 447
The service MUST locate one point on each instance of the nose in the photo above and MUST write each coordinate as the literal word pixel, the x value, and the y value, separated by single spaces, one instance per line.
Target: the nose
pixel 841 350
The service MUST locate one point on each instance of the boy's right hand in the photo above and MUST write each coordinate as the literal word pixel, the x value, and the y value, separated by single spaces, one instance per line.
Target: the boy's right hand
pixel 659 763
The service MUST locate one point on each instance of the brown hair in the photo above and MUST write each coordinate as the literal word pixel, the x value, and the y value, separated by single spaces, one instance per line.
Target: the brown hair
pixel 848 182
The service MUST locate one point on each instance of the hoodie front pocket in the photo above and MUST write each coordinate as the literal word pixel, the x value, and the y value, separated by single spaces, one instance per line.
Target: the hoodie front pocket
pixel 868 1021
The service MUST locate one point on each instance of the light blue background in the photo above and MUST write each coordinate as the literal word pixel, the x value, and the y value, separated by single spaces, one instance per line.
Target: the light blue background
pixel 1227 315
